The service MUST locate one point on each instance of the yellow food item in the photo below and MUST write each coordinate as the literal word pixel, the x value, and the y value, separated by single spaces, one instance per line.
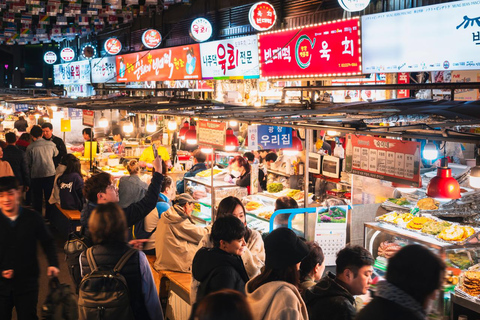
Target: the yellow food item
pixel 469 231
pixel 389 217
pixel 404 218
pixel 292 193
pixel 114 170
pixel 112 156
pixel 105 168
pixel 417 223
pixel 299 195
pixel 452 233
pixel 266 215
pixel 253 205
pixel 427 204
pixel 208 172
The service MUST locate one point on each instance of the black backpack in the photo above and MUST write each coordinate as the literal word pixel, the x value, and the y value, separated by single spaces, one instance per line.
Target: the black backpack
pixel 104 293
pixel 61 302
pixel 77 243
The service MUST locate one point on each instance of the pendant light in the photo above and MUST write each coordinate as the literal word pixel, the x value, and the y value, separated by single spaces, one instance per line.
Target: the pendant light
pixel 296 145
pixel 231 141
pixel 191 135
pixel 184 130
pixel 443 185
pixel 151 126
pixel 430 151
pixel 172 125
pixel 128 127
pixel 103 122
pixel 475 177
pixel 233 123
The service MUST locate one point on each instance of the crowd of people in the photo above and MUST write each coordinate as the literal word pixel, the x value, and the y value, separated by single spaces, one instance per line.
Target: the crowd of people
pixel 236 274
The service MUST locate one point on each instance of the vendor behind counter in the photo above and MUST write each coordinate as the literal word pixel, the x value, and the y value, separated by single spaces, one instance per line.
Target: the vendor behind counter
pixel 147 154
pixel 239 172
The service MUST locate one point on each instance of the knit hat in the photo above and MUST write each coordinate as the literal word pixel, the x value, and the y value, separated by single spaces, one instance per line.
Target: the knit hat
pixel 184 198
pixel 283 248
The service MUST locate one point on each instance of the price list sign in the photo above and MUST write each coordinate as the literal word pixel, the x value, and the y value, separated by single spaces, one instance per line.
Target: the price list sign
pixel 385 159
pixel 211 133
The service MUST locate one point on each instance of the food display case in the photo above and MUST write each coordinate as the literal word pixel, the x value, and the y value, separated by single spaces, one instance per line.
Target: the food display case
pixel 381 237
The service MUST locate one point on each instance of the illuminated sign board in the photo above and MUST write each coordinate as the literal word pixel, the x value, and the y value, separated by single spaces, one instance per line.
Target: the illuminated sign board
pixel 151 38
pixel 50 57
pixel 72 73
pixel 113 46
pixel 262 16
pixel 201 29
pixel 67 54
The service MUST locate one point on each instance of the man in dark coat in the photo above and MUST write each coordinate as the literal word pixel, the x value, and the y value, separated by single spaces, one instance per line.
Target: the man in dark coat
pixel 47 129
pixel 20 230
pixel 332 297
pixel 16 157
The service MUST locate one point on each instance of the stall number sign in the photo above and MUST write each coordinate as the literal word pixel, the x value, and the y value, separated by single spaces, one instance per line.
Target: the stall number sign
pixel 328 49
pixel 67 54
pixel 273 137
pixel 50 57
pixel 211 133
pixel 201 29
pixel 385 159
pixel 262 16
pixel 236 57
pixel 113 46
pixel 151 38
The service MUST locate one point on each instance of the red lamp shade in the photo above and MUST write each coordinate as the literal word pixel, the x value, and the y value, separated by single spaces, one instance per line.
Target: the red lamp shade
pixel 191 135
pixel 443 185
pixel 184 130
pixel 296 145
pixel 231 141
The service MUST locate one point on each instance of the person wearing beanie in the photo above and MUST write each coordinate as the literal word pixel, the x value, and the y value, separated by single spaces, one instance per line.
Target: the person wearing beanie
pixel 332 298
pixel 274 293
pixel 177 236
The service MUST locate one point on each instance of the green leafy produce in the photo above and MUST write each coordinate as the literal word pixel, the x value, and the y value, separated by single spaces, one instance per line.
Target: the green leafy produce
pixel 275 187
pixel 400 202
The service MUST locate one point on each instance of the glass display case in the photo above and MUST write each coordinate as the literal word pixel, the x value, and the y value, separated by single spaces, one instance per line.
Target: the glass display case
pixel 458 255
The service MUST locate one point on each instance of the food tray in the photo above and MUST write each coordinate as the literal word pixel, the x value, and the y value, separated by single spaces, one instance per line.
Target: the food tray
pixel 388 205
pixel 404 227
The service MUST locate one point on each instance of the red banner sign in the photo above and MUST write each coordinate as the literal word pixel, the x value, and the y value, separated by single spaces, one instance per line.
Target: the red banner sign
pixel 385 159
pixel 177 63
pixel 88 118
pixel 403 78
pixel 328 49
pixel 113 46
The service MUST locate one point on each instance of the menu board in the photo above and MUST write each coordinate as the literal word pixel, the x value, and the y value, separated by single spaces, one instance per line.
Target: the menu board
pixel 385 159
pixel 330 48
pixel 72 73
pixel 88 118
pixel 177 63
pixel 331 231
pixel 211 133
pixel 224 59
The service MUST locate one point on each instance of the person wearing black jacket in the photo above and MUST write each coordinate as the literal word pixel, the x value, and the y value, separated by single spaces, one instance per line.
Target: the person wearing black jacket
pixel 221 267
pixel 99 189
pixel 16 157
pixel 20 230
pixel 47 129
pixel 199 159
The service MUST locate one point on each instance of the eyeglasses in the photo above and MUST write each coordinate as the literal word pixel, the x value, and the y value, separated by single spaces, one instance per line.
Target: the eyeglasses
pixel 112 187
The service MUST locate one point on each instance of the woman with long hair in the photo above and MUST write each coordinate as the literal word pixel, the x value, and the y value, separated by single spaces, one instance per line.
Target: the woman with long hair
pixel 274 293
pixel 239 170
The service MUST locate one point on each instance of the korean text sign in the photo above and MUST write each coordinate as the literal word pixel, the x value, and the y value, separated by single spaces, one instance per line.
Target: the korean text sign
pixel 273 137
pixel 177 63
pixel 385 159
pixel 211 133
pixel 326 49
pixel 230 58
pixel 432 38
pixel 72 73
pixel 103 70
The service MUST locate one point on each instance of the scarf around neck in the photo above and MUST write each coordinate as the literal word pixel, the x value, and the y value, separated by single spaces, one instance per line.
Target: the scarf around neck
pixel 390 292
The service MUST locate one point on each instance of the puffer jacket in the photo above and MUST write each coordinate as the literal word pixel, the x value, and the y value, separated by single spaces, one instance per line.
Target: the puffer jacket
pixel 216 269
pixel 176 240
pixel 329 300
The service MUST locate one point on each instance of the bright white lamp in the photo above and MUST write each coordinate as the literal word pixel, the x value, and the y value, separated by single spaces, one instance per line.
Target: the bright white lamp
pixel 430 151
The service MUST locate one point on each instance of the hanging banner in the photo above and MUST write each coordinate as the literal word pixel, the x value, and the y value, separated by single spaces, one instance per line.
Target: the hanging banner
pixel 466 76
pixel 72 73
pixel 328 49
pixel 104 70
pixel 88 118
pixel 79 90
pixel 230 59
pixel 177 63
pixel 450 33
pixel 384 159
pixel 403 78
pixel 273 137
pixel 211 133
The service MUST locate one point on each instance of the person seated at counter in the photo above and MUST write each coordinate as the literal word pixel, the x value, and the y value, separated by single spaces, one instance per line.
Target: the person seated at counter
pixel 131 188
pixel 118 146
pixel 239 172
pixel 199 159
pixel 147 154
pixel 262 178
pixel 88 136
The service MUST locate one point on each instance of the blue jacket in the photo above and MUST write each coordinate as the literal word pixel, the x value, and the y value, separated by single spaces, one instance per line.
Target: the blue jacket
pixel 190 173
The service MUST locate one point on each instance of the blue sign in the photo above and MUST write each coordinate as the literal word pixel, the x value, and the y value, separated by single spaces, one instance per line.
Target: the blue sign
pixel 273 137
pixel 21 107
pixel 75 114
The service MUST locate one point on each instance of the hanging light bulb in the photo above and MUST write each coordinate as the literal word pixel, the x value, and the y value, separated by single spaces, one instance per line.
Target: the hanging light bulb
pixel 206 150
pixel 475 177
pixel 54 108
pixel 184 130
pixel 233 123
pixel 191 135
pixel 172 125
pixel 296 145
pixel 430 151
pixel 231 141
pixel 332 133
pixel 128 127
pixel 103 122
pixel 151 126
pixel 37 114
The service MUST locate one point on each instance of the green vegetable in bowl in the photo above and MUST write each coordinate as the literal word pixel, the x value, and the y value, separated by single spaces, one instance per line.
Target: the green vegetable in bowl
pixel 275 187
